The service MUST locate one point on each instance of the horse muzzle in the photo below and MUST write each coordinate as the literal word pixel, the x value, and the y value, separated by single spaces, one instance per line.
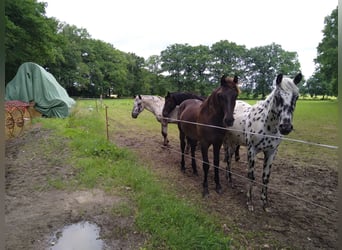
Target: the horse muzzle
pixel 165 113
pixel 134 115
pixel 229 122
pixel 285 128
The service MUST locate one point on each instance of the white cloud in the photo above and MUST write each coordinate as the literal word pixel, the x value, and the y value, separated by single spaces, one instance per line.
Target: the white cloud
pixel 148 27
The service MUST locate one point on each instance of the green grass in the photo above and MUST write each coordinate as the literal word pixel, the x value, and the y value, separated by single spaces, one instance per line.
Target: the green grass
pixel 316 122
pixel 171 222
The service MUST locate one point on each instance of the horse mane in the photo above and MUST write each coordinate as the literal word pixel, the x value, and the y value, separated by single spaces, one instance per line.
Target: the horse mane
pixel 288 85
pixel 230 82
pixel 179 97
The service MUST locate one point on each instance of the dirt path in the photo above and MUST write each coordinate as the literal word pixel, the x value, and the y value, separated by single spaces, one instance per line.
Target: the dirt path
pixel 35 209
pixel 292 222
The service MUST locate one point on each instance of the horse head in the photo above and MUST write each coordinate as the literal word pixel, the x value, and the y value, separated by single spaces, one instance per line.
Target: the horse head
pixel 285 97
pixel 138 106
pixel 170 104
pixel 226 98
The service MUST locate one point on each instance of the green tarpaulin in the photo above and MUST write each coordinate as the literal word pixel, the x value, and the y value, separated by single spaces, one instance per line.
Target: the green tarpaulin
pixel 34 83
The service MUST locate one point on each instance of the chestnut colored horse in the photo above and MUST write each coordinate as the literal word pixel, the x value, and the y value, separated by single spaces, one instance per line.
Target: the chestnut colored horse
pixel 200 121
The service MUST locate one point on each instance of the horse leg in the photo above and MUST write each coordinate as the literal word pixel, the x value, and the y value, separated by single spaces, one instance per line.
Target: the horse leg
pixel 237 153
pixel 268 159
pixel 164 132
pixel 217 167
pixel 182 145
pixel 193 145
pixel 250 175
pixel 204 150
pixel 187 148
pixel 229 155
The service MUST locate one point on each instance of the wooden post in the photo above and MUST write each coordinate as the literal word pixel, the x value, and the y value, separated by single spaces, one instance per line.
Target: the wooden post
pixel 107 125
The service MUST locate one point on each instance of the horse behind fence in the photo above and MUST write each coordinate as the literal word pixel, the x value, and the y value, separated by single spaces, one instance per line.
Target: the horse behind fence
pixel 260 127
pixel 196 121
pixel 155 105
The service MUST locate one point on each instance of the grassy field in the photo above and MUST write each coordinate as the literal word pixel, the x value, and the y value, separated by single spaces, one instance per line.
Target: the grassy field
pixel 160 213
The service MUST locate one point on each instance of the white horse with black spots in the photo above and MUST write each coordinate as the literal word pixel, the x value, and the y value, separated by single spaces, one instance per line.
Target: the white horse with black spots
pixel 260 127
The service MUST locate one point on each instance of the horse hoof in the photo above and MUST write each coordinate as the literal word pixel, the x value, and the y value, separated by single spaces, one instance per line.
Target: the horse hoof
pixel 205 193
pixel 219 190
pixel 250 208
pixel 267 209
pixel 237 158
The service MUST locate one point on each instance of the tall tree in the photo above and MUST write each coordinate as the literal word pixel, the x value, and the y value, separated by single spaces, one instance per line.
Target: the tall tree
pixel 327 55
pixel 30 35
pixel 265 62
pixel 227 58
pixel 172 59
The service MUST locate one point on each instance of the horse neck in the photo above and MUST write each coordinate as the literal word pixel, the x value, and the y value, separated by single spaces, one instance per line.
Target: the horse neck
pixel 153 105
pixel 211 107
pixel 270 110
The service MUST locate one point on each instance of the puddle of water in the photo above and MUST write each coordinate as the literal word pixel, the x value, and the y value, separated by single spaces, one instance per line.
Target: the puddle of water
pixel 80 236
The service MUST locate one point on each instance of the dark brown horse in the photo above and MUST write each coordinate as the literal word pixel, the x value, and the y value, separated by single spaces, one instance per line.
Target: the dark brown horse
pixel 200 121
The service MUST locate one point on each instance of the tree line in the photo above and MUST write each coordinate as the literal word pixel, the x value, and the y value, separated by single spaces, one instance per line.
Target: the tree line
pixel 89 67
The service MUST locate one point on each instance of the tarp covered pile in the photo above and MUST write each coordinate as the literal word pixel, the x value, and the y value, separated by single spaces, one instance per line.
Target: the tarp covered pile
pixel 33 83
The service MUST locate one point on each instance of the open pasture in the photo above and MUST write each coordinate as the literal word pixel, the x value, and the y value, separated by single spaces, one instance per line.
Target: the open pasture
pixel 303 187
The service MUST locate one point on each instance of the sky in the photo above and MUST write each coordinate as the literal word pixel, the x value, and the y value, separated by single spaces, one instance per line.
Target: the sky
pixel 147 27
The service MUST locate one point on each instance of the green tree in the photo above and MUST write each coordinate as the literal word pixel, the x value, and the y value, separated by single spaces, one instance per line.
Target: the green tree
pixel 187 66
pixel 159 83
pixel 265 62
pixel 227 58
pixel 30 35
pixel 70 69
pixel 172 59
pixel 327 55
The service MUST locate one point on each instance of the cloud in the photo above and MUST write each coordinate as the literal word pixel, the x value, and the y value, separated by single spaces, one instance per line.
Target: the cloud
pixel 148 27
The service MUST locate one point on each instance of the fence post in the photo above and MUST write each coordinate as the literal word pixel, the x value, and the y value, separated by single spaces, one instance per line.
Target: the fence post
pixel 107 123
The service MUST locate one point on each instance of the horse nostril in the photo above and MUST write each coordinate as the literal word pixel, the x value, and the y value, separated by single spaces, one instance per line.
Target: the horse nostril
pixel 229 122
pixel 285 128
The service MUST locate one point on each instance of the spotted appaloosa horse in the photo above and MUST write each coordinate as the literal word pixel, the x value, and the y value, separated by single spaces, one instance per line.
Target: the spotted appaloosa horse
pixel 260 127
pixel 196 123
pixel 155 105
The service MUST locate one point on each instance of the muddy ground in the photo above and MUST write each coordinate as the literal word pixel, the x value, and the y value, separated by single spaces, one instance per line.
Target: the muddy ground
pixel 35 210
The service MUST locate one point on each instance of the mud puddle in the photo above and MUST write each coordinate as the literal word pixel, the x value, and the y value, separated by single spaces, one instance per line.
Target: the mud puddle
pixel 80 236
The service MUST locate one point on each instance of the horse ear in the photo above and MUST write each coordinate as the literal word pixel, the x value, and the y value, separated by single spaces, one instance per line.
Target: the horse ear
pixel 298 78
pixel 168 94
pixel 223 79
pixel 236 79
pixel 279 79
pixel 139 97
